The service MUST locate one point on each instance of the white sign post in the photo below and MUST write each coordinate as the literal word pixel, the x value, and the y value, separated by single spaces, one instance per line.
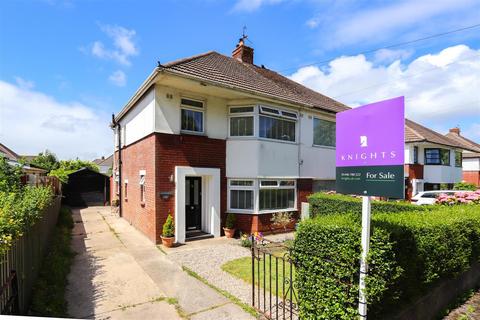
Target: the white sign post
pixel 362 301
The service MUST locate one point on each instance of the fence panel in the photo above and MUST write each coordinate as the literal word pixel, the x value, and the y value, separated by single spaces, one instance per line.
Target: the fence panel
pixel 20 265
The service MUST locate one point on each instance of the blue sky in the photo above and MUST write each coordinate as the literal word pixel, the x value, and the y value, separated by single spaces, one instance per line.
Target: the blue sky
pixel 66 65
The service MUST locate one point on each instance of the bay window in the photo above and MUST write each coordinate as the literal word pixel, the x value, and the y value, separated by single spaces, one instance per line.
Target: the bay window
pixel 191 115
pixel 241 121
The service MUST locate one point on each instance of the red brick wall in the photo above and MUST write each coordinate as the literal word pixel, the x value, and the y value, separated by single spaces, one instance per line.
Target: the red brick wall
pixel 304 189
pixel 186 150
pixel 415 171
pixel 472 177
pixel 135 157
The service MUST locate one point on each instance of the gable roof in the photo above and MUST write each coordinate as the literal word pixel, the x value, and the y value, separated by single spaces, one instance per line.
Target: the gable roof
pixel 104 162
pixel 415 132
pixel 229 72
pixel 9 154
pixel 466 143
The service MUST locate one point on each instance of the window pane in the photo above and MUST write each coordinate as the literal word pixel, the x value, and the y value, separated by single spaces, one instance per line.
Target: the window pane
pixel 241 109
pixel 241 199
pixel 192 103
pixel 241 183
pixel 270 110
pixel 458 159
pixel 323 132
pixel 287 183
pixel 277 199
pixel 278 129
pixel 192 120
pixel 241 126
pixel 269 183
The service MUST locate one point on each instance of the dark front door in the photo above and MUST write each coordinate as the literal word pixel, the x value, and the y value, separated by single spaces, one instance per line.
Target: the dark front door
pixel 193 203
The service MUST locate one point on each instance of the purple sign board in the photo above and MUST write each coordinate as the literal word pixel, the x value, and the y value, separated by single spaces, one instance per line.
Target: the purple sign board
pixel 370 149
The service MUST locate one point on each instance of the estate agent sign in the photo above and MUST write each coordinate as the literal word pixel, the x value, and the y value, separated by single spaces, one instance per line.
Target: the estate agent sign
pixel 370 149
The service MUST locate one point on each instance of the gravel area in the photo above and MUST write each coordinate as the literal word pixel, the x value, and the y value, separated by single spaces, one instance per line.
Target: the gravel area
pixel 207 261
pixel 468 311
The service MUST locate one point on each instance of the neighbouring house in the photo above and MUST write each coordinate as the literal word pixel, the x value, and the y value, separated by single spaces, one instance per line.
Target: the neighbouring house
pixel 432 160
pixel 104 164
pixel 33 176
pixel 470 157
pixel 86 187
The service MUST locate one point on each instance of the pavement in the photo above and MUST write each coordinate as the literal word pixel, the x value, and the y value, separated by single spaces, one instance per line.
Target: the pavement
pixel 119 274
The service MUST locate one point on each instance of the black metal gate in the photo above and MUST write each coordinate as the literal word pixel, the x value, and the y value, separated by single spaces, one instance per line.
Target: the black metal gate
pixel 273 289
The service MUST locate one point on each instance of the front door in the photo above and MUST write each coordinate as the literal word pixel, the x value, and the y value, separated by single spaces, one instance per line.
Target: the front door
pixel 193 203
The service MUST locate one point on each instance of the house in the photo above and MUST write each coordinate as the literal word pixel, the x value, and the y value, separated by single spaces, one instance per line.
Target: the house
pixel 211 134
pixel 470 157
pixel 432 160
pixel 104 164
pixel 33 176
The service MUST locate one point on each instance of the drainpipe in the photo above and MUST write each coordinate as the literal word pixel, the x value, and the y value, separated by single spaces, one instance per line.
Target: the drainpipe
pixel 116 125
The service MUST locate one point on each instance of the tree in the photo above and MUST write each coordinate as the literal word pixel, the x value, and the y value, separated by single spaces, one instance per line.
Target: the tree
pixel 67 167
pixel 46 160
pixel 10 176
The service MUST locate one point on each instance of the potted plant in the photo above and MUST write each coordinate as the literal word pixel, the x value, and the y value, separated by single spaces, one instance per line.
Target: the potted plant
pixel 229 228
pixel 168 232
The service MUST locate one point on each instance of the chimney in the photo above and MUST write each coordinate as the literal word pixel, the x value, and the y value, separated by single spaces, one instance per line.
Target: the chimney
pixel 455 130
pixel 243 53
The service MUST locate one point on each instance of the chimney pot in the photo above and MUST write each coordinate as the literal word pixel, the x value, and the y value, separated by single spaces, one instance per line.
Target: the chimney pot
pixel 455 130
pixel 243 53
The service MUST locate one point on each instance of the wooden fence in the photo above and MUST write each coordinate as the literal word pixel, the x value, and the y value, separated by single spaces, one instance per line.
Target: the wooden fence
pixel 19 267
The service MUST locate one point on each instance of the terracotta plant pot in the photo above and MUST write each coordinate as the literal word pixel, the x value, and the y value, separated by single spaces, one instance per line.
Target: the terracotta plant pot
pixel 167 241
pixel 229 233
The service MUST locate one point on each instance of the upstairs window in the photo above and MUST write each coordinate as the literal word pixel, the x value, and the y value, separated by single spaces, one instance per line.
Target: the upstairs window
pixel 437 156
pixel 323 132
pixel 415 154
pixel 192 115
pixel 142 186
pixel 458 158
pixel 241 122
pixel 277 124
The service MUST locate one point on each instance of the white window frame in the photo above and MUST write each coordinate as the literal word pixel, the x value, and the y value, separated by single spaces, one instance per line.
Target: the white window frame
pixel 252 188
pixel 278 118
pixel 251 114
pixel 143 188
pixel 278 186
pixel 196 109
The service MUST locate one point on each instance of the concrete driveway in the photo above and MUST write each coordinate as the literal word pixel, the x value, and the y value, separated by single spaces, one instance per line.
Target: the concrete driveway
pixel 119 274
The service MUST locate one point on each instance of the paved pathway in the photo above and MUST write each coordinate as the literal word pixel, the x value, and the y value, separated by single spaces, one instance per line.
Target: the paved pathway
pixel 119 274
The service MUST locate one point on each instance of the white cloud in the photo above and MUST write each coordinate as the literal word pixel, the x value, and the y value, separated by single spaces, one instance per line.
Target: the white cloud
pixel 31 121
pixel 24 84
pixel 442 86
pixel 118 78
pixel 252 5
pixel 387 55
pixel 124 46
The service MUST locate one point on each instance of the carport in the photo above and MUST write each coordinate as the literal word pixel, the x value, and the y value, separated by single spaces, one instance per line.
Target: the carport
pixel 86 187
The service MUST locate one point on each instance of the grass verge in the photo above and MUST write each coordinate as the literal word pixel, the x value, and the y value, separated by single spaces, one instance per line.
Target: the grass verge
pixel 48 296
pixel 226 294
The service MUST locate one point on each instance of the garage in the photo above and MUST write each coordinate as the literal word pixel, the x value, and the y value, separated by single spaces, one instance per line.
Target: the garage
pixel 86 187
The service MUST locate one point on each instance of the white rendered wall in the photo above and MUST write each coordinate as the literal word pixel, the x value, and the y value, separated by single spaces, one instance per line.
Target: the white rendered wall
pixel 471 164
pixel 441 174
pixel 139 122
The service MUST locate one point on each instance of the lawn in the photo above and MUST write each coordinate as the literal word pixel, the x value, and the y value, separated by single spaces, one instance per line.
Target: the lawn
pixel 242 269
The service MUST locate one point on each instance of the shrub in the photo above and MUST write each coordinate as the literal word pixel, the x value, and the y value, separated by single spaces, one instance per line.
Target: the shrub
pixel 465 186
pixel 282 219
pixel 323 203
pixel 168 227
pixel 230 223
pixel 409 253
pixel 465 197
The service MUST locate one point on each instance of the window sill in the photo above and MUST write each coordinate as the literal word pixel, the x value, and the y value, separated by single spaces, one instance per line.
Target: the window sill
pixel 277 141
pixel 261 212
pixel 323 147
pixel 193 133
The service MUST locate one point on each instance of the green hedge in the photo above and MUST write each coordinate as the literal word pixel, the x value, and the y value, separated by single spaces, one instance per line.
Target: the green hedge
pixel 410 251
pixel 323 203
